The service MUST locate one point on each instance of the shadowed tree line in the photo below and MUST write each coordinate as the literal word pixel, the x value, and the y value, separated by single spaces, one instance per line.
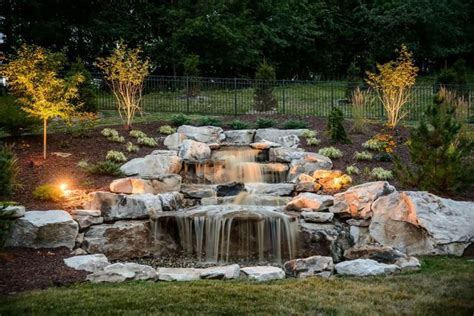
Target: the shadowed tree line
pixel 301 38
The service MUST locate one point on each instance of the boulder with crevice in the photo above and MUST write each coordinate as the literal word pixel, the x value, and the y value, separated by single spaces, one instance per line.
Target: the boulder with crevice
pixel 157 163
pixel 311 266
pixel 194 151
pixel 203 134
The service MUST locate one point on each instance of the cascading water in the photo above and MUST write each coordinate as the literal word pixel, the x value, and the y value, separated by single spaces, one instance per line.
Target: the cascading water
pixel 239 228
pixel 237 164
pixel 219 232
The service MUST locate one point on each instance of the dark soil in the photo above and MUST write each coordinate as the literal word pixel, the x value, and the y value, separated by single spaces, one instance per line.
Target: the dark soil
pixel 29 269
pixel 35 171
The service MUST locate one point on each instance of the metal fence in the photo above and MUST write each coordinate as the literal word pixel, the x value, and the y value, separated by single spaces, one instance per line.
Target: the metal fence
pixel 235 96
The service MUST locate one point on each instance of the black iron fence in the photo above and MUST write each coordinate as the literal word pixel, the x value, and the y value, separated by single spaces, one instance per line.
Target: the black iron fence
pixel 236 96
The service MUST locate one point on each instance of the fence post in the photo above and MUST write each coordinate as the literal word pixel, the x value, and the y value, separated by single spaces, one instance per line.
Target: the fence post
pixel 235 96
pixel 284 101
pixel 332 95
pixel 187 94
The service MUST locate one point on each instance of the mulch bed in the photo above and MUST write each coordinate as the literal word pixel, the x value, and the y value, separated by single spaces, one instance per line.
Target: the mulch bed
pixel 29 269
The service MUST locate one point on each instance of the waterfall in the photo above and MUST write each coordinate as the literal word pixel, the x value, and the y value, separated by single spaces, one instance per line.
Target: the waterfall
pixel 217 233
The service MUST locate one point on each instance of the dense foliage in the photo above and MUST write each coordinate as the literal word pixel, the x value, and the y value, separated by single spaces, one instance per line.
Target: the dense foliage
pixel 301 38
pixel 9 170
pixel 441 156
pixel 335 128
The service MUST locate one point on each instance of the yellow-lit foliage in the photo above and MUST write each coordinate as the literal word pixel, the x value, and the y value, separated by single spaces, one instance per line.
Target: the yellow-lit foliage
pixel 393 83
pixel 33 78
pixel 125 70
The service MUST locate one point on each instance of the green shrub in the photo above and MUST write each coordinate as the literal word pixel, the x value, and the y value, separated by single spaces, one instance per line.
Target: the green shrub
pixel 209 121
pixel 167 130
pixel 309 134
pixel 9 170
pixel 364 155
pixel 295 124
pixel 330 152
pixel 265 123
pixel 147 141
pixel 83 164
pixel 380 173
pixel 109 132
pixel 352 170
pixel 13 120
pixel 441 160
pixel 48 192
pixel 137 134
pixel 313 141
pixel 237 124
pixel 131 148
pixel 180 119
pixel 5 225
pixel 116 156
pixel 117 139
pixel 335 127
pixel 82 124
pixel 106 167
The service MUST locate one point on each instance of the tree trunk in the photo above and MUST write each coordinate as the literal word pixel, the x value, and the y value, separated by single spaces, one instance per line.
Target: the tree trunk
pixel 45 127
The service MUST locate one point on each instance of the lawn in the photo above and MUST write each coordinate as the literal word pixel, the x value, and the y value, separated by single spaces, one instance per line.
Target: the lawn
pixel 443 286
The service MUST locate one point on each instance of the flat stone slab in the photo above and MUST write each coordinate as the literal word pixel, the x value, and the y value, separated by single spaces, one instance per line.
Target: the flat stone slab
pixel 43 229
pixel 317 217
pixel 90 263
pixel 221 272
pixel 157 163
pixel 277 189
pixel 365 267
pixel 199 191
pixel 178 274
pixel 119 272
pixel 263 273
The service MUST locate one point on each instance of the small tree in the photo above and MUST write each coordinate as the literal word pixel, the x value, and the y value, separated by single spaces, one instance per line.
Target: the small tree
pixel 441 159
pixel 393 83
pixel 263 98
pixel 33 78
pixel 335 128
pixel 125 72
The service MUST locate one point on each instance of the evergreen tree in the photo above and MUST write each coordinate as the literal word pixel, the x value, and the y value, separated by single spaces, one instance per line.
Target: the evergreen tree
pixel 335 127
pixel 441 159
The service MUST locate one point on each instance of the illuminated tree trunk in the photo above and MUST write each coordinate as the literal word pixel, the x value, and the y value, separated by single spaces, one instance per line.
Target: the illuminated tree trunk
pixel 45 126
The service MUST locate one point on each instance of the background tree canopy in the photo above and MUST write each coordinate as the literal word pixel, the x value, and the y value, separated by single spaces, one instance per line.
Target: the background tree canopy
pixel 301 38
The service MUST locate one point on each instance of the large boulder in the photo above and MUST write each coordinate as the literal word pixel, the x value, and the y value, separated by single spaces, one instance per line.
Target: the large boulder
pixel 378 253
pixel 89 263
pixel 157 163
pixel 309 200
pixel 308 164
pixel 263 273
pixel 194 151
pixel 203 134
pixel 276 189
pixel 122 239
pixel 154 185
pixel 120 206
pixel 365 267
pixel 170 201
pixel 239 137
pixel 423 223
pixel 280 136
pixel 43 229
pixel 282 154
pixel 119 272
pixel 311 266
pixel 357 201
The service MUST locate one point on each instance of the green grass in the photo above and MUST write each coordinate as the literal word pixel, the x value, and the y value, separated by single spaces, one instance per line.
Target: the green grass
pixel 443 286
